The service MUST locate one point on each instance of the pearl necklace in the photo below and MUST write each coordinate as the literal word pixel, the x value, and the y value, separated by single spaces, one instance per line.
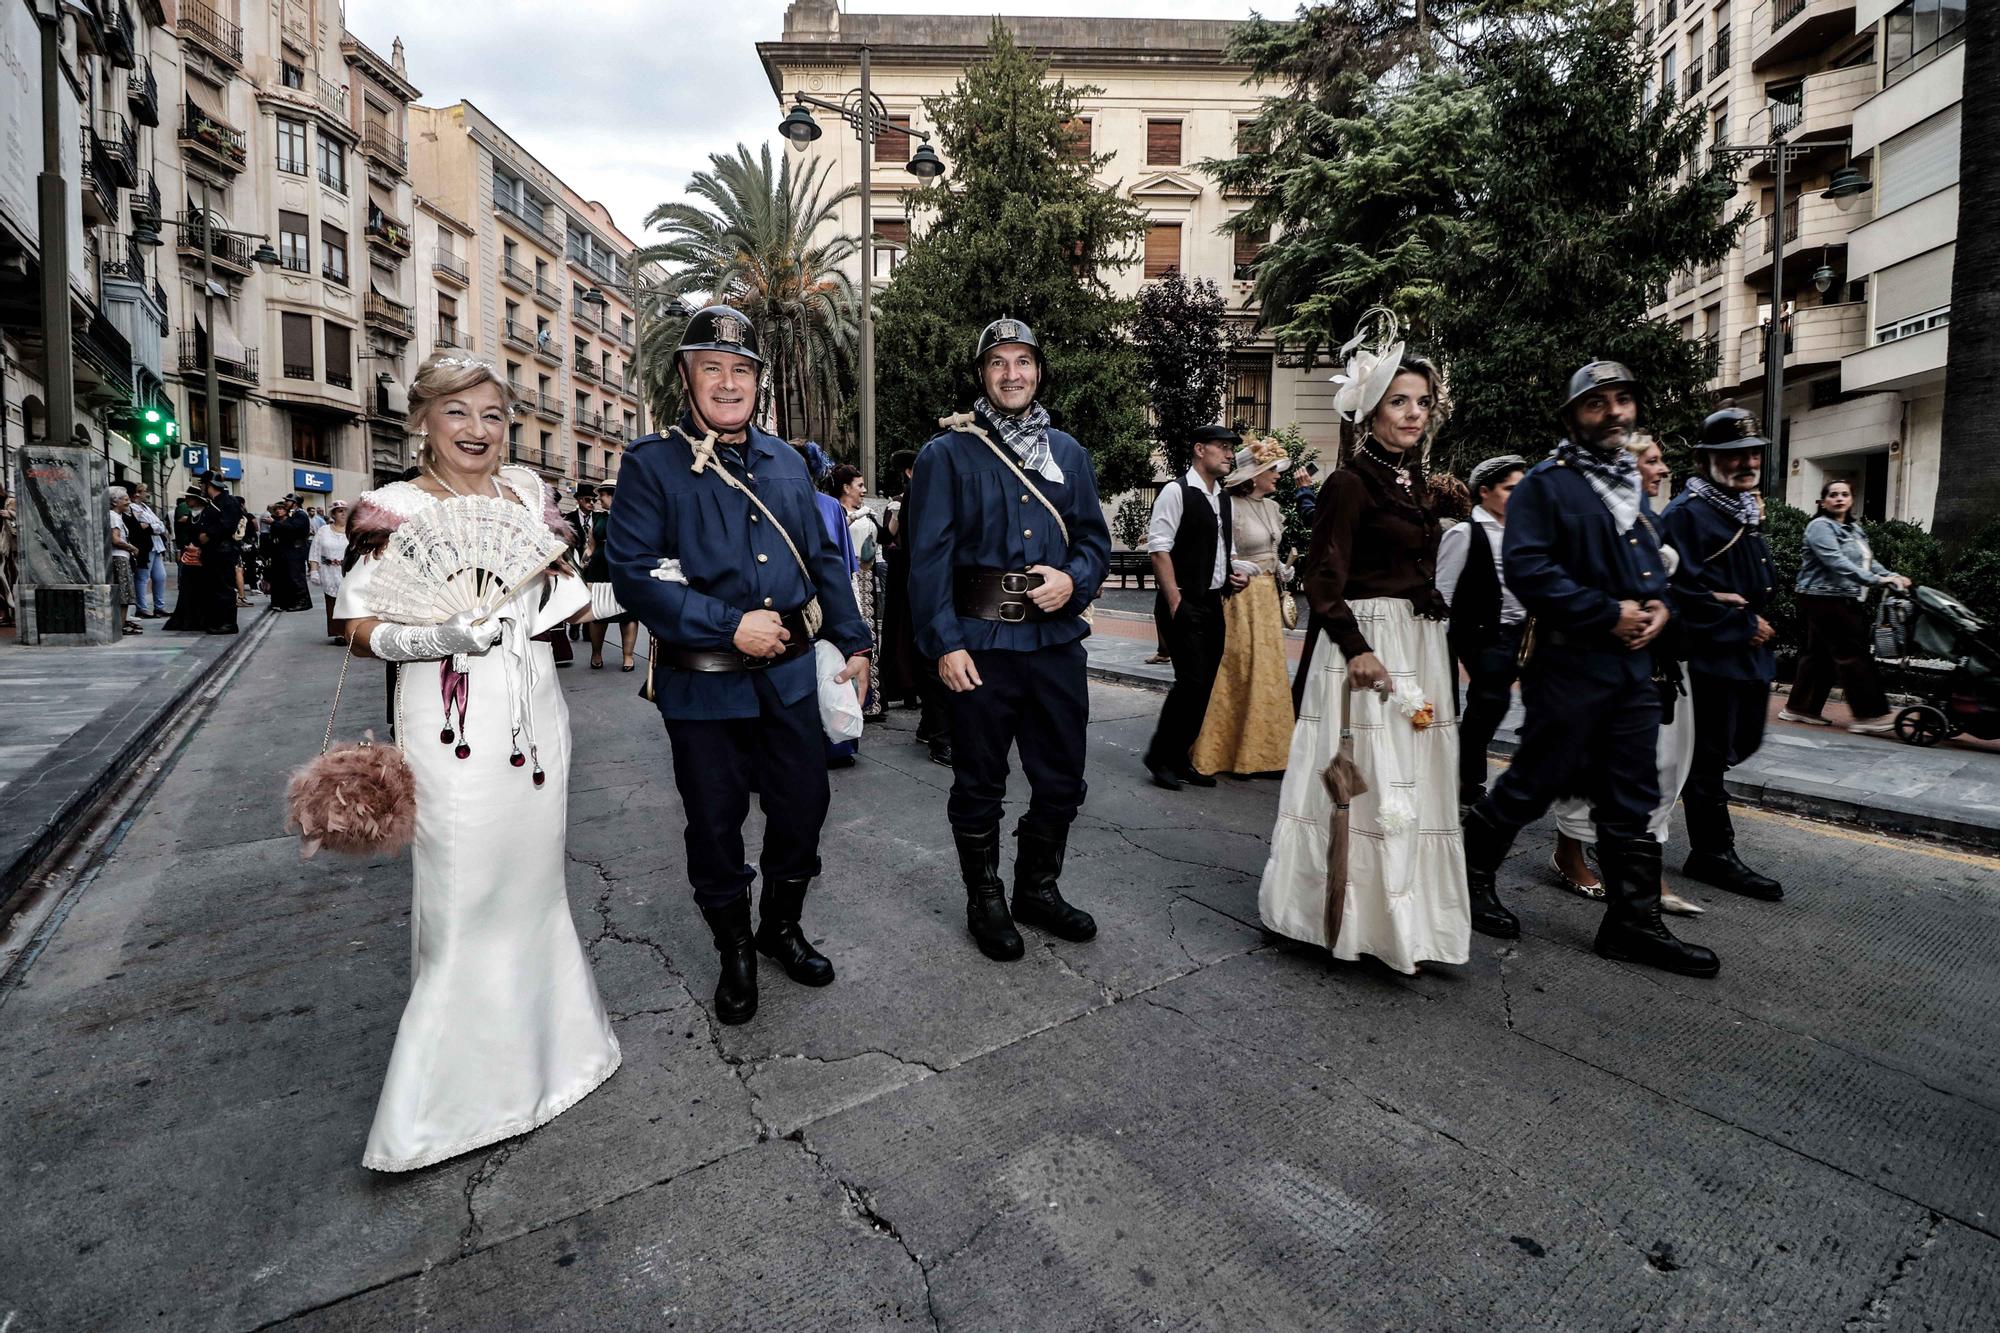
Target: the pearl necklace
pixel 1393 462
pixel 456 493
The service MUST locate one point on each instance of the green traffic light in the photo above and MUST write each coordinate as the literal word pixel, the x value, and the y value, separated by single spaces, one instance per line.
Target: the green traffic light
pixel 152 416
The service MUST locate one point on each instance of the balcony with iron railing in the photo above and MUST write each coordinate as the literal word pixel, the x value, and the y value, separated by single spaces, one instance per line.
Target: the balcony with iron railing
pixel 119 47
pixel 526 217
pixel 215 34
pixel 142 94
pixel 517 275
pixel 1819 107
pixel 589 422
pixel 535 458
pixel 582 312
pixel 517 334
pixel 383 145
pixel 1784 31
pixel 545 347
pixel 226 251
pixel 115 144
pixel 449 335
pixel 546 293
pixel 340 377
pixel 387 233
pixel 1811 225
pixel 391 316
pixel 146 200
pixel 1819 335
pixel 332 97
pixel 450 267
pixel 97 195
pixel 216 143
pixel 1718 55
pixel 1692 80
pixel 124 259
pixel 585 369
pixel 548 408
pixel 193 349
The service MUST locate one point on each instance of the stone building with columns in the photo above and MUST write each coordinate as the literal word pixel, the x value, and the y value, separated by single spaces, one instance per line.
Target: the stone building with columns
pixel 1168 100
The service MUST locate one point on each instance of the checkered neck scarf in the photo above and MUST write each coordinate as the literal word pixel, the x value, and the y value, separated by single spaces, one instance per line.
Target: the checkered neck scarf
pixel 1027 435
pixel 1614 476
pixel 1743 506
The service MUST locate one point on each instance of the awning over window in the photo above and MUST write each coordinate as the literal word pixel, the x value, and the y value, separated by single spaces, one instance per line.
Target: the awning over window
pixel 395 398
pixel 227 345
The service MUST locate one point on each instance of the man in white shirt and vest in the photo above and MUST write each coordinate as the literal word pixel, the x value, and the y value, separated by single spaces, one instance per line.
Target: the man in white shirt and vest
pixel 1486 617
pixel 1190 539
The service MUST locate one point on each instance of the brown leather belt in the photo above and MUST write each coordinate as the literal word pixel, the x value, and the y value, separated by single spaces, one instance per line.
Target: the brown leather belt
pixel 996 594
pixel 728 659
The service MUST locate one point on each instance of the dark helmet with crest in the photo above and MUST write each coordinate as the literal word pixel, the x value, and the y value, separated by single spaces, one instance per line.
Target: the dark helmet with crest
pixel 1731 428
pixel 719 328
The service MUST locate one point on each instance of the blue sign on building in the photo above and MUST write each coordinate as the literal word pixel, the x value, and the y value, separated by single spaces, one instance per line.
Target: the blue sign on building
pixel 194 458
pixel 305 479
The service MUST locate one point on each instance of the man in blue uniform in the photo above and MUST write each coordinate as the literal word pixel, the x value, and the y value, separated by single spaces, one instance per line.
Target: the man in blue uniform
pixel 1007 551
pixel 1584 559
pixel 716 545
pixel 1720 592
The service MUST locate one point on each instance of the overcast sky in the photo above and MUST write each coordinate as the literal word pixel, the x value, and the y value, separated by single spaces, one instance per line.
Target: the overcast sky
pixel 625 99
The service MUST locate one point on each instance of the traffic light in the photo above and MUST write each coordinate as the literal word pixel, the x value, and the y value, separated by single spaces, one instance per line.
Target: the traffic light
pixel 155 429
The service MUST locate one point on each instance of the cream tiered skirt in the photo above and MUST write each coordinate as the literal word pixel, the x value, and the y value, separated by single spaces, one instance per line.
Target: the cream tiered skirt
pixel 1405 900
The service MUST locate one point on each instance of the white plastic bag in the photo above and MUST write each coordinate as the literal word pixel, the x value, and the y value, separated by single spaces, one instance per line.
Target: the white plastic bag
pixel 839 703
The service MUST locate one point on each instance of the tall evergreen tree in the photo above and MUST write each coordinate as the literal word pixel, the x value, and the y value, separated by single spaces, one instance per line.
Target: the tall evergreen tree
pixel 1183 340
pixel 1020 227
pixel 1511 192
pixel 1968 494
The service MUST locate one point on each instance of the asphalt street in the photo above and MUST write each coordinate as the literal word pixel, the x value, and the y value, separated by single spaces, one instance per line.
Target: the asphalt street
pixel 1184 1124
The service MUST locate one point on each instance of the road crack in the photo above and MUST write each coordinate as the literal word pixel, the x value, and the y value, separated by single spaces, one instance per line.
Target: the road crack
pixel 862 1207
pixel 1875 1314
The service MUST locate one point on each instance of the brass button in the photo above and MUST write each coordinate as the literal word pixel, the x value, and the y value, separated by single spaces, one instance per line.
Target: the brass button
pixel 756 518
pixel 767 601
pixel 1027 532
pixel 762 558
pixel 1024 499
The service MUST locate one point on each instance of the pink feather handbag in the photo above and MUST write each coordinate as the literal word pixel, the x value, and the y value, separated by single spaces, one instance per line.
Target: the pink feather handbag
pixel 358 798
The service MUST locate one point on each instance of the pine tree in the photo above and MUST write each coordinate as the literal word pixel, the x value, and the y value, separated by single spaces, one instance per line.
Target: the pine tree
pixel 1020 228
pixel 1183 343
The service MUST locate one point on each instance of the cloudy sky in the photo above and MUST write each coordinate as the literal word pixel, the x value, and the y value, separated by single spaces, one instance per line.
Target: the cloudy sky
pixel 625 99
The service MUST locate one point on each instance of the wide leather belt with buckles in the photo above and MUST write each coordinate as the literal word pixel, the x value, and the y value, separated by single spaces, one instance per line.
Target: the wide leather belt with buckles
pixel 996 594
pixel 728 659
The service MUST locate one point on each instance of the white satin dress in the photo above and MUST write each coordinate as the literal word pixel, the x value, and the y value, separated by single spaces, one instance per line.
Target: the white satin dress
pixel 504 1029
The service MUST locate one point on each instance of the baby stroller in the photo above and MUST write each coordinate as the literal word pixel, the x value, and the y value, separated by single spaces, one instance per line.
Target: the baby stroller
pixel 1935 648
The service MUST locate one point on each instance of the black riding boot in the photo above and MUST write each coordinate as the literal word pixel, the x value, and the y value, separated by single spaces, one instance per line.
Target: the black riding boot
pixel 985 896
pixel 1632 930
pixel 1713 859
pixel 1485 848
pixel 736 986
pixel 1038 861
pixel 779 937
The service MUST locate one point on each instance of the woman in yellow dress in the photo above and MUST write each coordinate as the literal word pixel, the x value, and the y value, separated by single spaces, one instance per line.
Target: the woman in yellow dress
pixel 1248 726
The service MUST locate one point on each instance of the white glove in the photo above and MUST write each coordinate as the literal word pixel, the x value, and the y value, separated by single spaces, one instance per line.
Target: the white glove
pixel 604 602
pixel 431 643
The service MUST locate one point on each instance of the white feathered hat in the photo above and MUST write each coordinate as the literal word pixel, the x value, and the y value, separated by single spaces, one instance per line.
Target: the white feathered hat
pixel 1370 370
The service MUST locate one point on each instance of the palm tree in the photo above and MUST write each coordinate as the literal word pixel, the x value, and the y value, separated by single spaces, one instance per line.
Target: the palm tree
pixel 1968 494
pixel 755 241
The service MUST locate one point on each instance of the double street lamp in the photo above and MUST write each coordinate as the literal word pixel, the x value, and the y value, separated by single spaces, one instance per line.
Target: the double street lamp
pixel 866 114
pixel 1847 183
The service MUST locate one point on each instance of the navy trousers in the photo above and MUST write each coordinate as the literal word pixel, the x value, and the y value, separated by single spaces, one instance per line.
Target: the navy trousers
pixel 1587 731
pixel 1728 728
pixel 717 764
pixel 1039 701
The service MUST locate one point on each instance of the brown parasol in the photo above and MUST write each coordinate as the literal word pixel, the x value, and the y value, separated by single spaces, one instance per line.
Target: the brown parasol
pixel 1343 783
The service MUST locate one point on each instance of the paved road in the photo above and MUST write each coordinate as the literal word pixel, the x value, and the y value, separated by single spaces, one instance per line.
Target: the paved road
pixel 1185 1124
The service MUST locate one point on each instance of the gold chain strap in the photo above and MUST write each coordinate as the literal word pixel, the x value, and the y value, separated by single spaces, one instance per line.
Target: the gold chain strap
pixel 339 685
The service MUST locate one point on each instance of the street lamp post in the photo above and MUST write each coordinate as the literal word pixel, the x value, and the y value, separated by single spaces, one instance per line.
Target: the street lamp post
pixel 1847 183
pixel 264 256
pixel 869 118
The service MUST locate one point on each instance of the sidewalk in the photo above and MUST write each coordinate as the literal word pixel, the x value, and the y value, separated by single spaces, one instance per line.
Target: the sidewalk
pixel 1949 791
pixel 74 719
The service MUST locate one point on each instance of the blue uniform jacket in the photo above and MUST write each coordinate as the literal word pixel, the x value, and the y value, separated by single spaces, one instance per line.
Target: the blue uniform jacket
pixel 733 563
pixel 971 510
pixel 1717 637
pixel 1571 567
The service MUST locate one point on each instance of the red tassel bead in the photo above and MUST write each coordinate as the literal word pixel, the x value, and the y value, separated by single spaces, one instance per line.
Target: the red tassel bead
pixel 540 777
pixel 444 737
pixel 517 759
pixel 463 751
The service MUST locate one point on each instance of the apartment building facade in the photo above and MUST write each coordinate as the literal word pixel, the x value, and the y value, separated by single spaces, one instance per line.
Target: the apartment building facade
pixel 1869 93
pixel 546 289
pixel 1168 100
pixel 114 134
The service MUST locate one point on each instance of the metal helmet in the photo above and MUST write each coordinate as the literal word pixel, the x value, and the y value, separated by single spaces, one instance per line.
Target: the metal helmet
pixel 719 328
pixel 1731 428
pixel 1007 330
pixel 1595 375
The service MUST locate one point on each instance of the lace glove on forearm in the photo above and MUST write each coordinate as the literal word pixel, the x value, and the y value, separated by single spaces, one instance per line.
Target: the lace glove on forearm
pixel 431 643
pixel 603 602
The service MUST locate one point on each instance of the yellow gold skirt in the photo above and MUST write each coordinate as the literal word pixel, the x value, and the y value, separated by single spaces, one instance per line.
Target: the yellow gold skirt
pixel 1248 727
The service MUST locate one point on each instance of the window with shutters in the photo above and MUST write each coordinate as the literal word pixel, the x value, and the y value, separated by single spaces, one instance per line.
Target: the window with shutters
pixel 1918 162
pixel 292 146
pixel 1080 146
pixel 332 164
pixel 1163 249
pixel 311 441
pixel 1248 140
pixel 333 254
pixel 1249 245
pixel 1249 405
pixel 339 355
pixel 294 242
pixel 892 238
pixel 892 147
pixel 1163 143
pixel 296 333
pixel 1914 296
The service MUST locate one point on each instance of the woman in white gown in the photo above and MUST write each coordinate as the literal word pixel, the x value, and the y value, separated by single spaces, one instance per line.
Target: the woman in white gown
pixel 1380 668
pixel 504 1029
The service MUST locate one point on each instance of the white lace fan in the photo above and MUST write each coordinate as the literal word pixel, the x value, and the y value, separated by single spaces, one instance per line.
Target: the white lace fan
pixel 468 553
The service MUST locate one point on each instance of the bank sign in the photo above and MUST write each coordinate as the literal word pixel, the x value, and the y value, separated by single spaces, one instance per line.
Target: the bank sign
pixel 195 459
pixel 305 479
